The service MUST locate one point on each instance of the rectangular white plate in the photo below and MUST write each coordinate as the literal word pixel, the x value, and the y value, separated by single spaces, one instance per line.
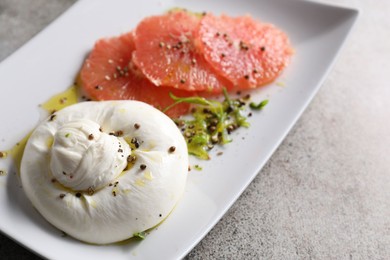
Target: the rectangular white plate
pixel 48 65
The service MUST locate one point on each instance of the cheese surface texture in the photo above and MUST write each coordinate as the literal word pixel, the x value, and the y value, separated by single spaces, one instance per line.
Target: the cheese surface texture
pixel 103 171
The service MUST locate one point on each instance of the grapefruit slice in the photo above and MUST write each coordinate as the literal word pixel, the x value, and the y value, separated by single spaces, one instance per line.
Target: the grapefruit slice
pixel 246 52
pixel 109 74
pixel 167 56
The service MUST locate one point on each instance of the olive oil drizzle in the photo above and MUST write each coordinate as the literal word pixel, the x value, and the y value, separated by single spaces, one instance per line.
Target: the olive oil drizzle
pixel 57 102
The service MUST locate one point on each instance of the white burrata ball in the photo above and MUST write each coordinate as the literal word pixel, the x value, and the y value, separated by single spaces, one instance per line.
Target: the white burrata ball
pixel 104 171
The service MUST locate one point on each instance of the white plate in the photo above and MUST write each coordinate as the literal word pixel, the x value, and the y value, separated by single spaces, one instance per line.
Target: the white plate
pixel 49 62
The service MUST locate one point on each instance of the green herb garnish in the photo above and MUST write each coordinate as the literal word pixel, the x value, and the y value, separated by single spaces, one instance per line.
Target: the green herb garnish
pixel 210 123
pixel 259 106
pixel 140 235
pixel 197 167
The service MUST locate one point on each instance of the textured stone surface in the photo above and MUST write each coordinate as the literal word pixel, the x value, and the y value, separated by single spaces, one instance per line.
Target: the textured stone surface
pixel 325 193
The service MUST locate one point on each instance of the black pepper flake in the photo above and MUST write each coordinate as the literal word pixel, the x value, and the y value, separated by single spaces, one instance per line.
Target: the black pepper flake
pixel 246 77
pixel 53 180
pixel 51 118
pixel 63 100
pixel 214 139
pixel 160 215
pixel 223 55
pixel 98 87
pixel 64 173
pixel 135 142
pixel 189 168
pixel 142 166
pixel 212 128
pixel 110 184
pixel 3 154
pixel 262 48
pixel 219 153
pixel 62 195
pixel 120 150
pixel 172 149
pixel 78 194
pixel 137 126
pixel 91 191
pixel 217 34
pixel 131 158
pixel 119 133
pixel 90 137
pixel 249 114
pixel 182 81
pixel 114 193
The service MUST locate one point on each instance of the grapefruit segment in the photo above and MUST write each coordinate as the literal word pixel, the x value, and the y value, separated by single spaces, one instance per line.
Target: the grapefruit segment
pixel 109 74
pixel 246 52
pixel 167 56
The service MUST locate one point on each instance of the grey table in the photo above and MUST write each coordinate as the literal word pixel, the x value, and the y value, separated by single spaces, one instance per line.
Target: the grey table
pixel 325 193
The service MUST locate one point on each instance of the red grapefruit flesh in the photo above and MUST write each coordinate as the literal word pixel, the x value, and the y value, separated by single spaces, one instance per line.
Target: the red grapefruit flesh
pixel 246 52
pixel 109 74
pixel 167 56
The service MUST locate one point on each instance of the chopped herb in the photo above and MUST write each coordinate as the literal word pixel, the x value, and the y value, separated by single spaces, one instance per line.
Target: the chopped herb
pixel 211 122
pixel 197 167
pixel 259 106
pixel 140 235
pixel 67 135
